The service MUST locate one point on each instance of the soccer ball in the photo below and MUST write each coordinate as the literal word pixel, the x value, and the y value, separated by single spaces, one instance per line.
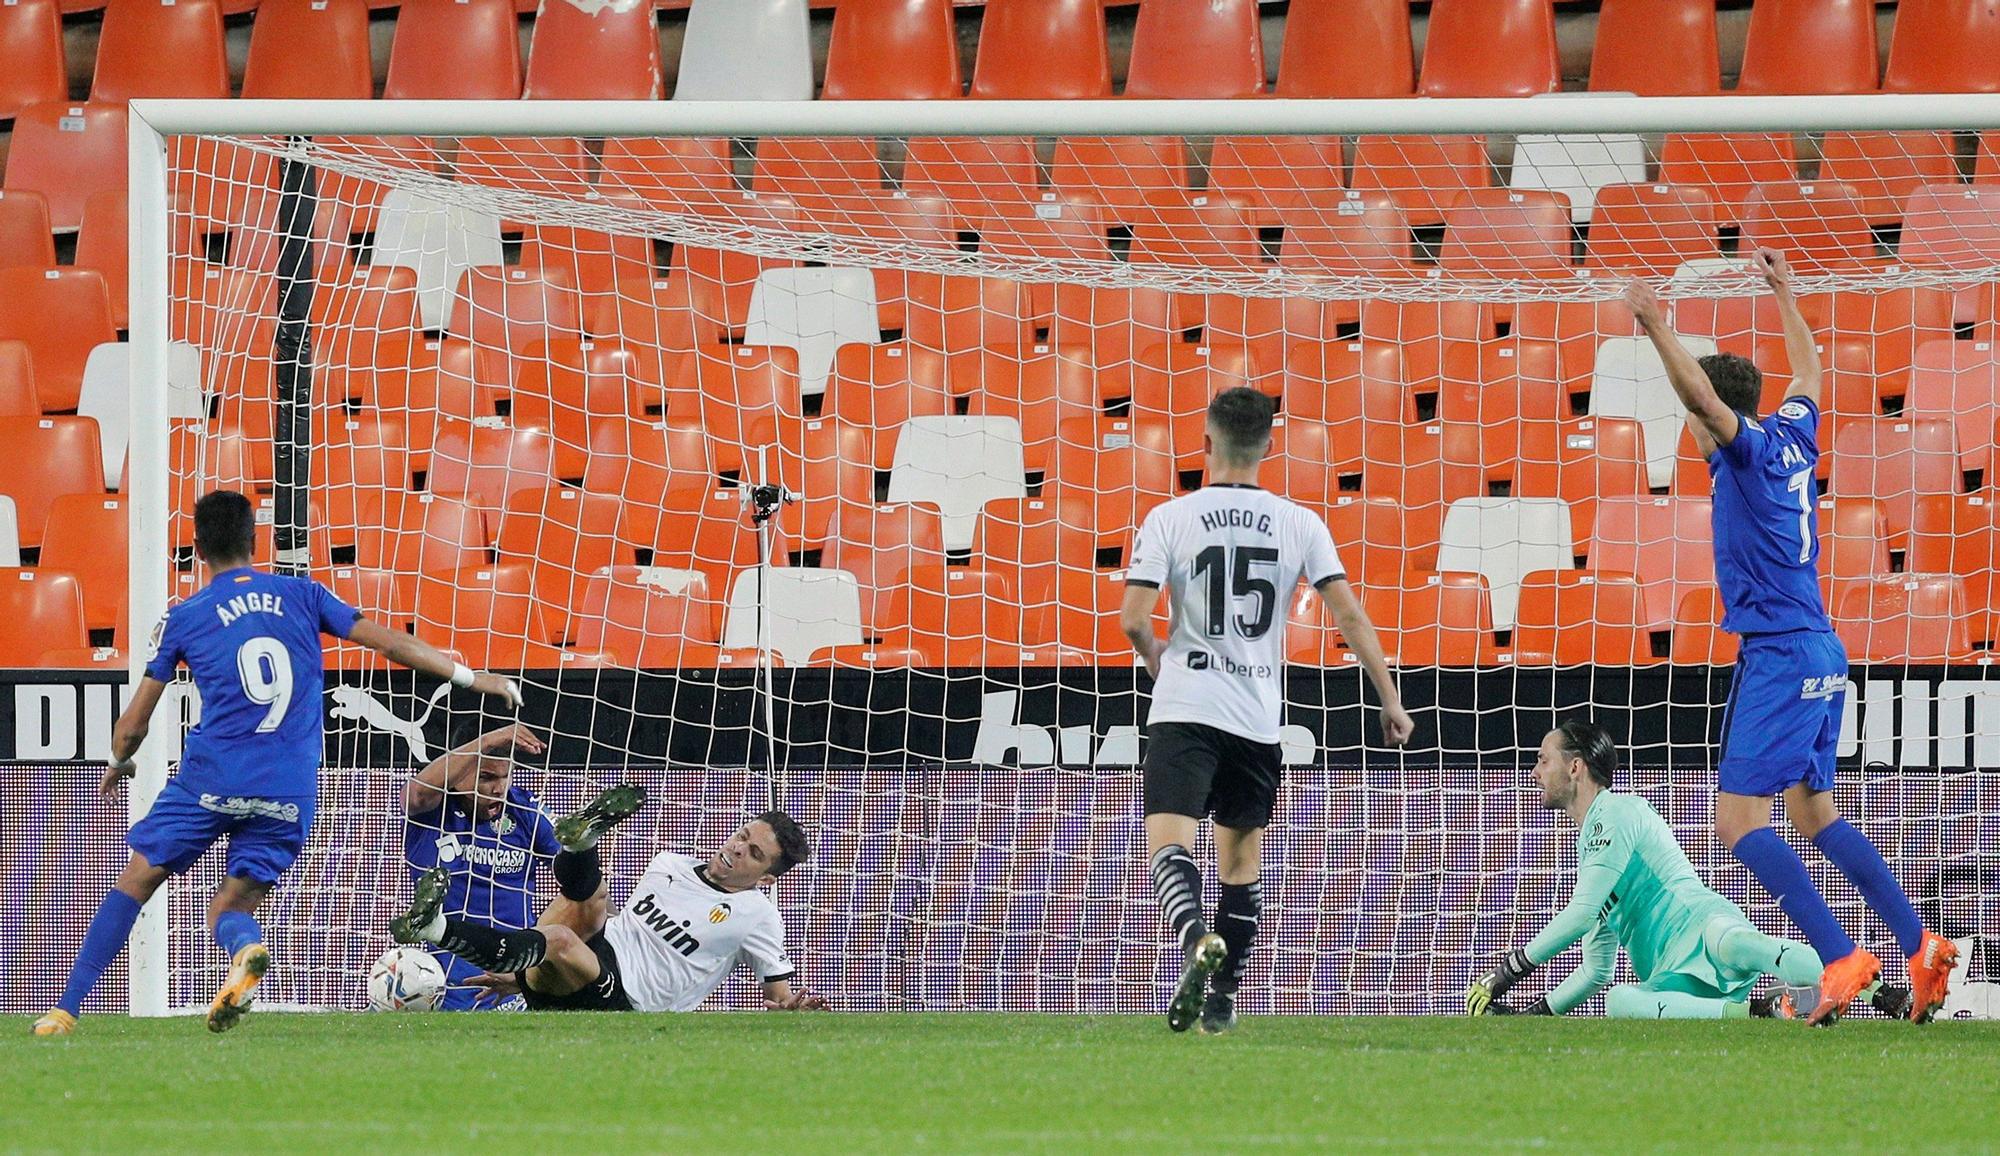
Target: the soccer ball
pixel 406 979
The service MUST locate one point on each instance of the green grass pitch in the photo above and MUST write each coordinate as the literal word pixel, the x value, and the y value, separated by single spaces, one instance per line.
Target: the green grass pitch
pixel 994 1083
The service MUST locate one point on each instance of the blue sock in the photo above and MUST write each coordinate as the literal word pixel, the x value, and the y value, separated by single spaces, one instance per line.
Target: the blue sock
pixel 236 930
pixel 109 929
pixel 1858 859
pixel 1783 874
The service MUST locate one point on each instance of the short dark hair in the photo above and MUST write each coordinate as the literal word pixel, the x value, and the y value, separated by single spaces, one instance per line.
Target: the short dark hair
pixel 793 846
pixel 1591 743
pixel 1738 382
pixel 1239 420
pixel 225 526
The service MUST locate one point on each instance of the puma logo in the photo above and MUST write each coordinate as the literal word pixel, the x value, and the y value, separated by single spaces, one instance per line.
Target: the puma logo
pixel 352 702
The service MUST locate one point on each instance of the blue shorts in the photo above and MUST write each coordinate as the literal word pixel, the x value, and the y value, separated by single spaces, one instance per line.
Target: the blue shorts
pixel 1782 725
pixel 265 835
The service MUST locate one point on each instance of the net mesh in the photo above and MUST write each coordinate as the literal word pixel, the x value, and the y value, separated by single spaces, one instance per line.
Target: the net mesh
pixel 545 375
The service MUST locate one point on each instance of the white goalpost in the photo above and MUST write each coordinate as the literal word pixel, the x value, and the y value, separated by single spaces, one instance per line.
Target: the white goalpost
pixel 510 375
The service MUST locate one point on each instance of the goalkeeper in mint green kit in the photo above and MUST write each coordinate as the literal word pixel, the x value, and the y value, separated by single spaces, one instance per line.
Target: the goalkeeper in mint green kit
pixel 1695 954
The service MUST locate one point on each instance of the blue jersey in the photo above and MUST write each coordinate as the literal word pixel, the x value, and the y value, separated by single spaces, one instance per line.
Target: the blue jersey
pixel 1766 523
pixel 492 865
pixel 252 642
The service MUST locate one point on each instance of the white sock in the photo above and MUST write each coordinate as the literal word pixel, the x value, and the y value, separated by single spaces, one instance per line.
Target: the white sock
pixel 434 930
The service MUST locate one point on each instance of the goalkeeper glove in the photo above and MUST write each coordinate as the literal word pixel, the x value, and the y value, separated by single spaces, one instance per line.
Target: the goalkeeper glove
pixel 1512 968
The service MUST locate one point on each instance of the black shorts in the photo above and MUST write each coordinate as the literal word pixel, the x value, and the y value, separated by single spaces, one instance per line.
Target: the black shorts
pixel 607 994
pixel 1198 770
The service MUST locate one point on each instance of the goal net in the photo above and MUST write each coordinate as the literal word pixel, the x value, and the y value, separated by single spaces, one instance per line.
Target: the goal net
pixel 527 393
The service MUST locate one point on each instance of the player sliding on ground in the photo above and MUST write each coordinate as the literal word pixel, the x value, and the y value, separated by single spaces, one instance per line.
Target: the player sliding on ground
pixel 683 929
pixel 1695 954
pixel 250 769
pixel 1229 555
pixel 1782 723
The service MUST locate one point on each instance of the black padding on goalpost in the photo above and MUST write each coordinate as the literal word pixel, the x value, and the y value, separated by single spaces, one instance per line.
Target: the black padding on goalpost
pixel 291 353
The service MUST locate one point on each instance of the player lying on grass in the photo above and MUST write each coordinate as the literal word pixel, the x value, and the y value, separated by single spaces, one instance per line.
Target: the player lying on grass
pixel 1229 556
pixel 681 932
pixel 464 814
pixel 1782 724
pixel 1695 955
pixel 250 769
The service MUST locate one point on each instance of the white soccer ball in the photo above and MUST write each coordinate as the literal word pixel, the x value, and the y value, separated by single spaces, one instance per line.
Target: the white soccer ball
pixel 406 979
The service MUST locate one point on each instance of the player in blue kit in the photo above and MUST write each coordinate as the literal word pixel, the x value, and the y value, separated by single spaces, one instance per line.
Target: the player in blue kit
pixel 464 814
pixel 249 771
pixel 1782 723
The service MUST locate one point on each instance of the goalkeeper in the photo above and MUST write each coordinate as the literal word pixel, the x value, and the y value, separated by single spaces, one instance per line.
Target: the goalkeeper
pixel 1695 954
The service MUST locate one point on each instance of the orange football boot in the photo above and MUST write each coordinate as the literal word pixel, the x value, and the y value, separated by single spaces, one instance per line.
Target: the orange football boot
pixel 1930 976
pixel 232 1003
pixel 1841 982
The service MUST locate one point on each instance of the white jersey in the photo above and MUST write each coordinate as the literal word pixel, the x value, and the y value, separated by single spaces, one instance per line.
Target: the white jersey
pixel 678 938
pixel 1230 557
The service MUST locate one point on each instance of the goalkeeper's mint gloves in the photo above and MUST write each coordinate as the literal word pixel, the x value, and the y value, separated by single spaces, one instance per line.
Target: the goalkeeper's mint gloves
pixel 1512 968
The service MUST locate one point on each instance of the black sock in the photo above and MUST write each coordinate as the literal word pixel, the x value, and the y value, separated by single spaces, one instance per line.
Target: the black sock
pixel 578 874
pixel 1177 883
pixel 493 949
pixel 1236 912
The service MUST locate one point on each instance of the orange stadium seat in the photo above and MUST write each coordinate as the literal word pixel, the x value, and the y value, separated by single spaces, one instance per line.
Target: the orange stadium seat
pixel 1371 535
pixel 489 464
pixel 1698 635
pixel 360 452
pixel 1039 386
pixel 1944 46
pixel 31 44
pixel 694 528
pixel 567 386
pixel 161 48
pixel 1508 233
pixel 877 543
pixel 85 658
pixel 1430 619
pixel 563 535
pixel 66 152
pixel 485 614
pixel 667 172
pixel 1204 231
pixel 104 245
pixel 1959 381
pixel 816 167
pixel 66 460
pixel 1498 382
pixel 1728 165
pixel 610 53
pixel 1127 176
pixel 309 49
pixel 1656 49
pixel 439 384
pixel 1895 461
pixel 1172 385
pixel 62 314
pixel 406 532
pixel 24 230
pixel 1042 50
pixel 1854 537
pixel 1080 614
pixel 1581 460
pixel 1951 225
pixel 892 50
pixel 1213 51
pixel 382 597
pixel 1821 225
pixel 1266 176
pixel 1423 467
pixel 833 464
pixel 1905 618
pixel 645 618
pixel 1884 168
pixel 1301 464
pixel 40 610
pixel 639 461
pixel 1423 175
pixel 1960 534
pixel 1666 542
pixel 1490 48
pixel 1111 454
pixel 954 314
pixel 883 386
pixel 1651 230
pixel 1339 241
pixel 1806 47
pixel 1028 539
pixel 542 166
pixel 1581 617
pixel 86 537
pixel 971 171
pixel 17 381
pixel 515 308
pixel 1347 48
pixel 1117 325
pixel 465 50
pixel 959 614
pixel 736 385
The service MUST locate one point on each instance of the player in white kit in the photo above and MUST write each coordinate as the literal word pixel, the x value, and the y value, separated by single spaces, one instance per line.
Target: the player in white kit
pixel 684 928
pixel 1230 556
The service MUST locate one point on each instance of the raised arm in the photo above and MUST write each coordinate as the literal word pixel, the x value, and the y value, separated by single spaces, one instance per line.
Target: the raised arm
pixel 129 732
pixel 455 771
pixel 1714 424
pixel 406 649
pixel 1807 378
pixel 1360 635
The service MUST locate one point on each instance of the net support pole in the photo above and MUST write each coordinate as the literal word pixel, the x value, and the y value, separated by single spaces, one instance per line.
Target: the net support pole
pixel 146 489
pixel 291 354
